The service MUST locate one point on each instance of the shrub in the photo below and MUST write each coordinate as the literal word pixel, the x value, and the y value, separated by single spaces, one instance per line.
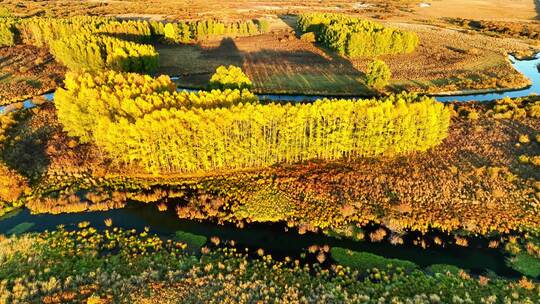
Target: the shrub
pixel 524 159
pixel 231 77
pixel 535 160
pixel 473 115
pixel 378 74
pixel 308 37
pixel 524 139
pixel 12 184
pixel 364 261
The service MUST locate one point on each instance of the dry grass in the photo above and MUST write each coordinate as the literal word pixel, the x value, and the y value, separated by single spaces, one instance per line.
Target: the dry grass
pixel 480 9
pixel 279 62
pixel 186 9
pixel 27 71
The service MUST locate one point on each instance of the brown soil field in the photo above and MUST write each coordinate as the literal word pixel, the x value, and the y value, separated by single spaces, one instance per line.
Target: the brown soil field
pixel 27 71
pixel 446 60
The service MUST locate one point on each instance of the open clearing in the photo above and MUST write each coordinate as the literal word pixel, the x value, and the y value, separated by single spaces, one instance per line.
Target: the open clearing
pixel 173 9
pixel 279 62
pixel 510 10
pixel 27 71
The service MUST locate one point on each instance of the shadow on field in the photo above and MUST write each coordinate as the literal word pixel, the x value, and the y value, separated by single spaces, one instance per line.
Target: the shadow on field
pixel 280 69
pixel 290 20
pixel 302 71
pixel 537 3
pixel 226 51
pixel 27 153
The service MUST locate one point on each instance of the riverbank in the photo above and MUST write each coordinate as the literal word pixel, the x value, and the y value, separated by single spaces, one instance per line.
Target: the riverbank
pixel 479 162
pixel 527 67
pixel 86 265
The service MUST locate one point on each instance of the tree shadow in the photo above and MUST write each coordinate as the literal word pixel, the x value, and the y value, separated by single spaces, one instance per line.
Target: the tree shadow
pixel 279 70
pixel 26 152
pixel 227 51
pixel 537 4
pixel 291 21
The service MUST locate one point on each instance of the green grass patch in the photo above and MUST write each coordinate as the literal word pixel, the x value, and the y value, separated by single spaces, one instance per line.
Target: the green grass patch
pixel 364 261
pixel 525 264
pixel 20 228
pixel 193 241
pixel 443 268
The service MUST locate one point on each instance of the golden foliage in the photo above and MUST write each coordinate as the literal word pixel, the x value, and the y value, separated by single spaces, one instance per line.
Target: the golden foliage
pixel 143 120
pixel 356 37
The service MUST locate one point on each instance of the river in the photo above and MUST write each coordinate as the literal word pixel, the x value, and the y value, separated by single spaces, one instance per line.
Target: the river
pixel 274 238
pixel 527 67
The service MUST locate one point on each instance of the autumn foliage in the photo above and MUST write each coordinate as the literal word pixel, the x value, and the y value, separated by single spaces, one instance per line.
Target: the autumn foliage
pixel 141 120
pixel 98 52
pixel 87 43
pixel 230 77
pixel 356 37
pixel 190 31
pixel 7 32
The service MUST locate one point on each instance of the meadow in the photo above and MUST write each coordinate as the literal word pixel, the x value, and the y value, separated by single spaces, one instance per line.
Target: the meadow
pixel 158 117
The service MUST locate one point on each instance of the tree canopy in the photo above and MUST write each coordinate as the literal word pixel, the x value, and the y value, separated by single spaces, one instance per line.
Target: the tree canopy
pixel 231 77
pixel 356 37
pixel 143 121
pixel 378 74
pixel 186 32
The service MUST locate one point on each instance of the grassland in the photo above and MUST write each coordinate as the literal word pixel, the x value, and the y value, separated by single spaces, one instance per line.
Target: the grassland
pixel 479 162
pixel 26 71
pixel 280 62
pixel 448 59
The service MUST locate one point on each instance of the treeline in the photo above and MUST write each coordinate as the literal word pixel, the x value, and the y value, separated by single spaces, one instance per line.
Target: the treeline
pixel 7 32
pixel 93 43
pixel 98 52
pixel 357 37
pixel 41 31
pixel 186 32
pixel 127 97
pixel 142 121
pixel 90 43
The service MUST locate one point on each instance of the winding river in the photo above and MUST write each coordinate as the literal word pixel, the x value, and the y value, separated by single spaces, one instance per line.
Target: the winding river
pixel 527 67
pixel 274 238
